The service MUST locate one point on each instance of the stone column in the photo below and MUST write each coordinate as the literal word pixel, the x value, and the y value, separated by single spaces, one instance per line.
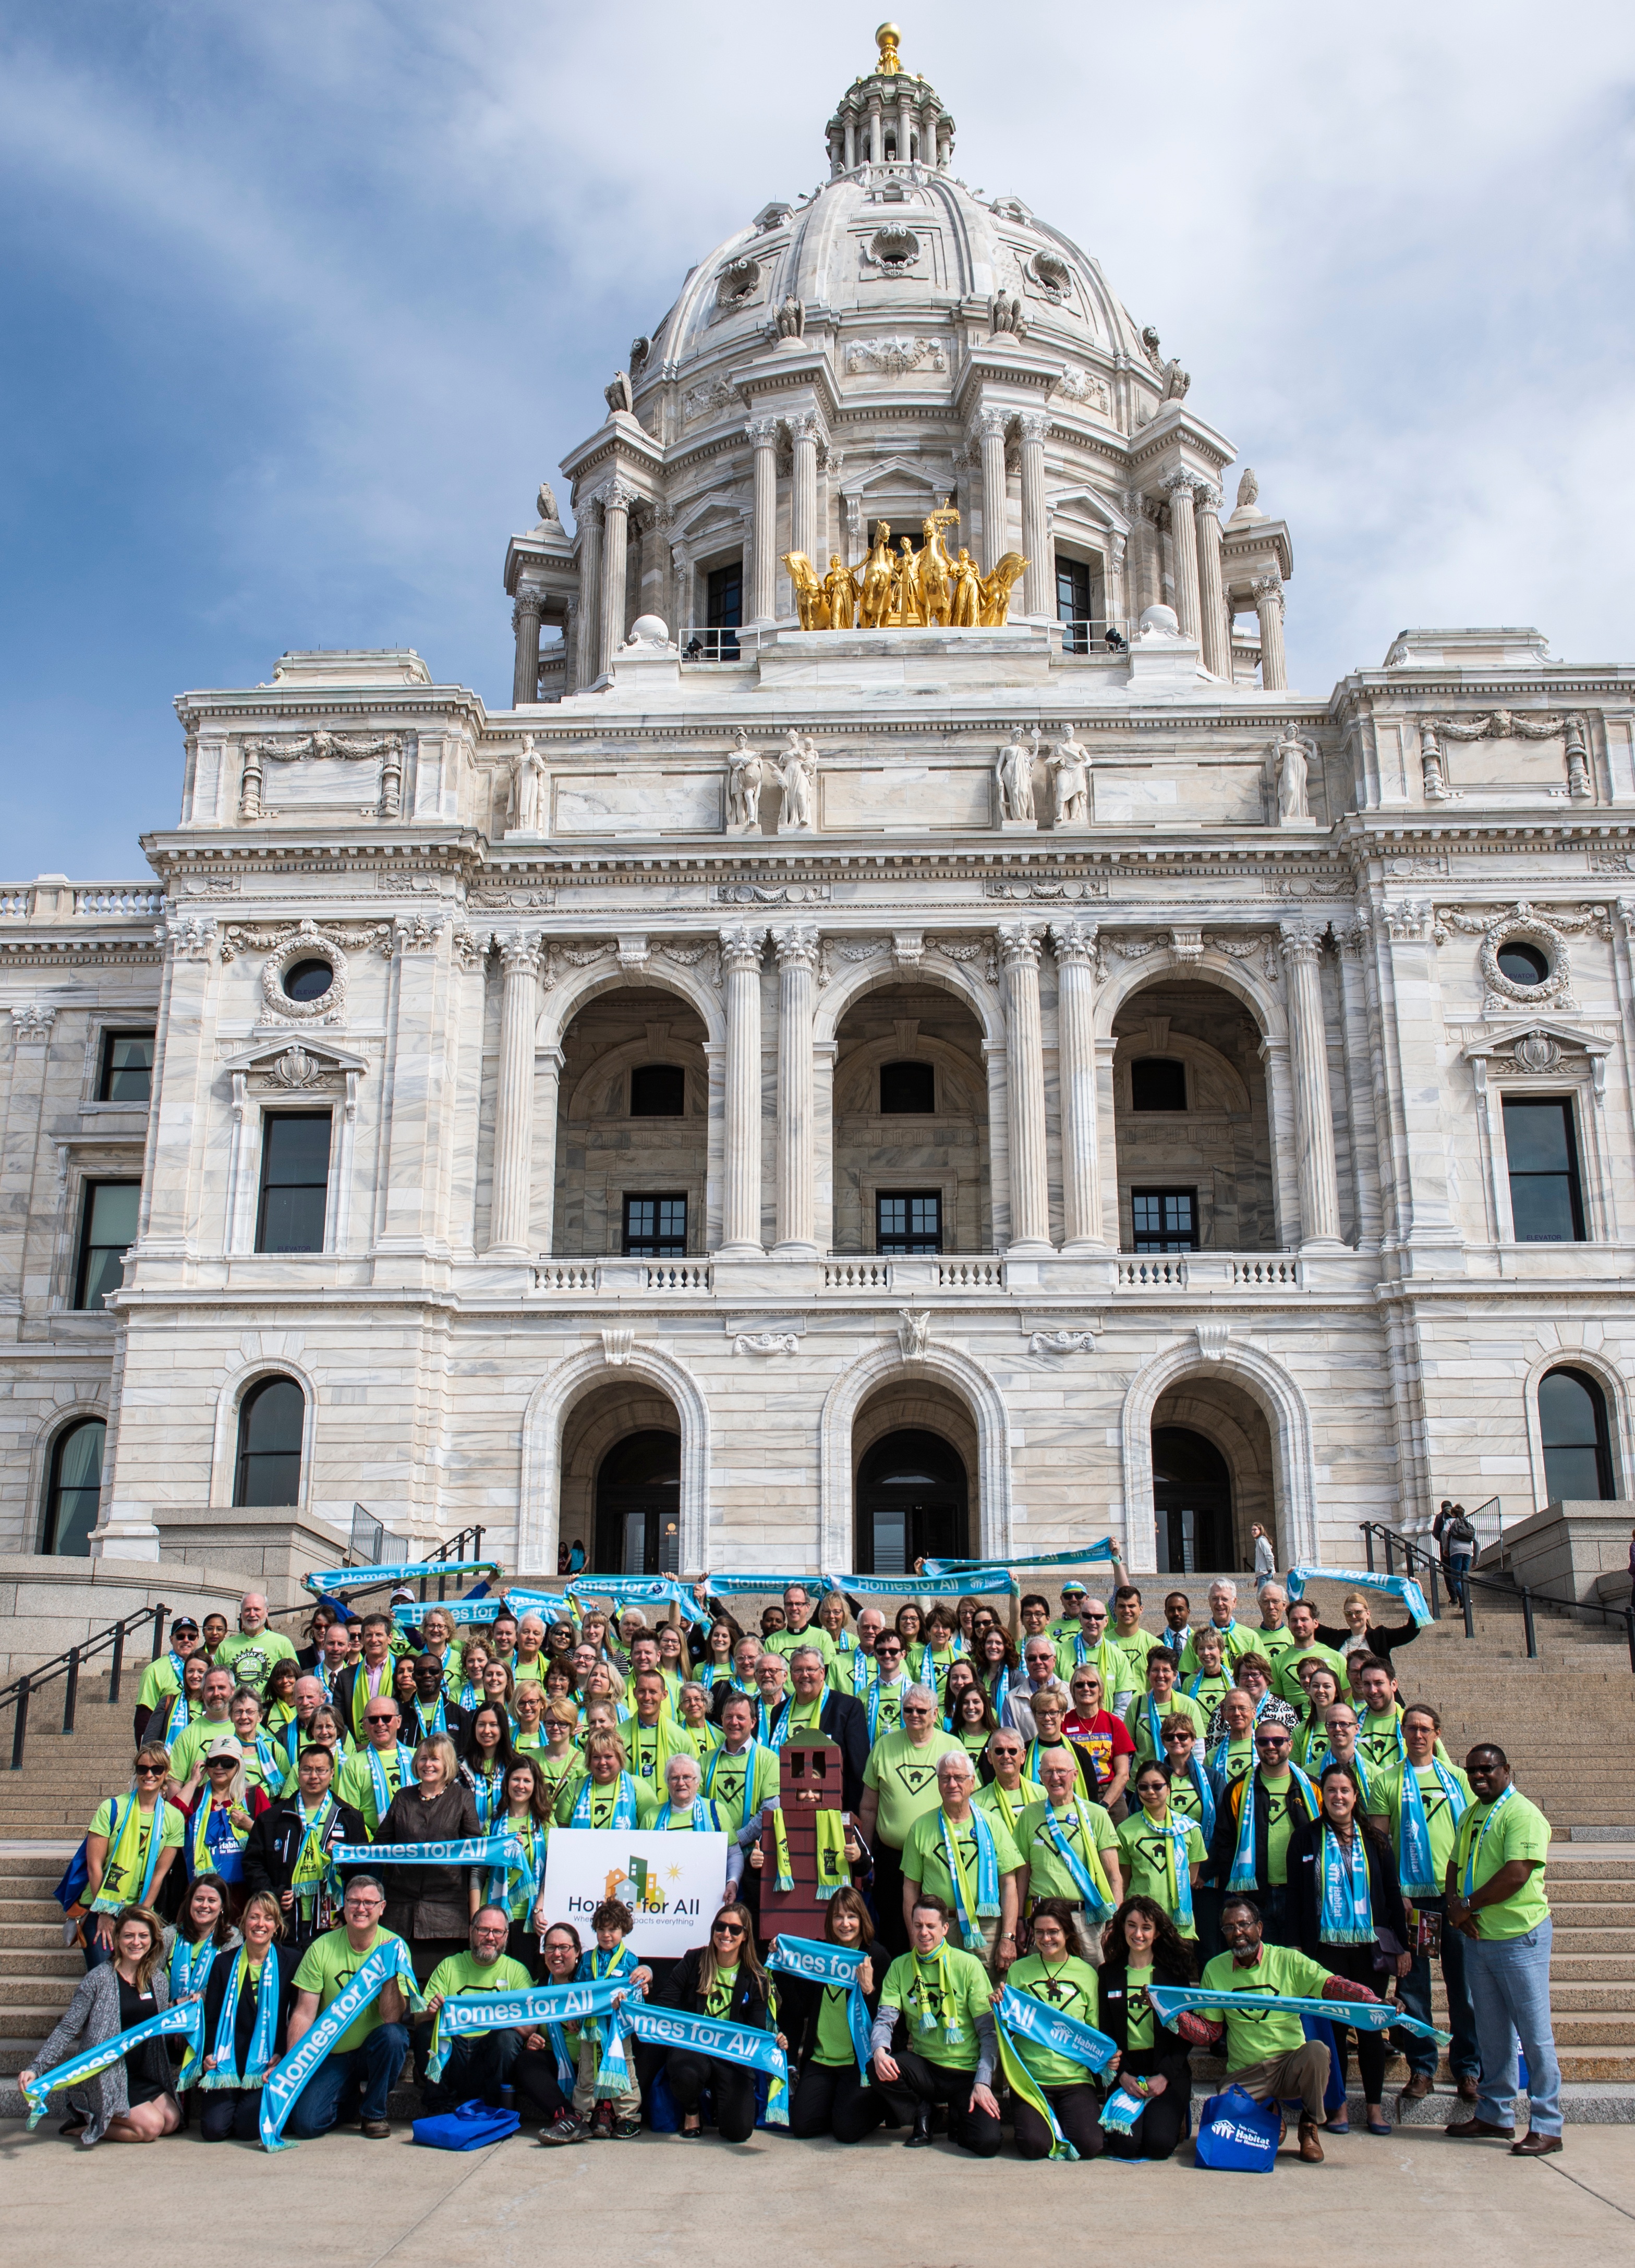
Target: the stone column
pixel 1114 579
pixel 740 1207
pixel 851 142
pixel 1074 942
pixel 1038 584
pixel 589 645
pixel 1268 606
pixel 905 121
pixel 989 434
pixel 571 618
pixel 797 960
pixel 513 1110
pixel 1181 489
pixel 805 433
pixel 1217 633
pixel 1314 1116
pixel 928 118
pixel 1353 942
pixel 618 499
pixel 764 539
pixel 525 623
pixel 875 138
pixel 1030 1194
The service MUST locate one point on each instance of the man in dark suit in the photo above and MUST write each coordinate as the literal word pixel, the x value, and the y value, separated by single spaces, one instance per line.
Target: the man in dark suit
pixel 812 1707
pixel 429 1712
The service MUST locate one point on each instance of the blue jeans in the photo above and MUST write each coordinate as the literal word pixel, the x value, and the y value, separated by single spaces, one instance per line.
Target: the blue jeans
pixel 1458 1568
pixel 1510 1992
pixel 372 2069
pixel 479 2066
pixel 1413 1993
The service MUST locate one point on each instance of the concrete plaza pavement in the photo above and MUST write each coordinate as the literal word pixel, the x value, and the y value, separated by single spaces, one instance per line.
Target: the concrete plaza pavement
pixel 1417 2201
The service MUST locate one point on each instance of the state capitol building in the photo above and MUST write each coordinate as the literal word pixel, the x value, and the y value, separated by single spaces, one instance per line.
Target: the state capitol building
pixel 907 1035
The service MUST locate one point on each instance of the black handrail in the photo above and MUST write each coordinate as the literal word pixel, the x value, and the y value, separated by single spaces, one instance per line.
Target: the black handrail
pixel 67 1665
pixel 1504 1585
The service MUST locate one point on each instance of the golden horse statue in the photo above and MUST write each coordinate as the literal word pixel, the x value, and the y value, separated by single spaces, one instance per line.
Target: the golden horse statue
pixel 906 589
pixel 810 599
pixel 995 589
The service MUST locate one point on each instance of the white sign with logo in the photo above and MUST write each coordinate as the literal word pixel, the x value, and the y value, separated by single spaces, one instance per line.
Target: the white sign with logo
pixel 673 1884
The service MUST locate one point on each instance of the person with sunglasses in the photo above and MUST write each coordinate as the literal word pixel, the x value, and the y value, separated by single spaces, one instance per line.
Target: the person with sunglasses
pixel 219 1820
pixel 881 1695
pixel 1101 1738
pixel 1037 1675
pixel 899 1786
pixel 1006 1791
pixel 162 1680
pixel 1250 1851
pixel 723 1979
pixel 130 1846
pixel 371 1777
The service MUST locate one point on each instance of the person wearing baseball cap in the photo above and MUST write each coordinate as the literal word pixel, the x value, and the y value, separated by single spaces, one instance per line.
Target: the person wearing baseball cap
pixel 1072 1592
pixel 162 1680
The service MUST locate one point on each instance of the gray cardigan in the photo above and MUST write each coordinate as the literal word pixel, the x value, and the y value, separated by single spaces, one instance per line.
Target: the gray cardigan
pixel 90 2018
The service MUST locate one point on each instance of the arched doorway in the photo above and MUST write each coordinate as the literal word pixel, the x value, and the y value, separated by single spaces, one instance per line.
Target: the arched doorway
pixel 912 1502
pixel 639 1506
pixel 1192 1500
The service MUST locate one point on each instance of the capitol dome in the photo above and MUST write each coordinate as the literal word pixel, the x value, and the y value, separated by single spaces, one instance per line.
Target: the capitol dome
pixel 885 347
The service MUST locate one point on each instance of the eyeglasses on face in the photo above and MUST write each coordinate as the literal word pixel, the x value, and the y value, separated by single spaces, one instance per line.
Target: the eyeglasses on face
pixel 728 1929
pixel 151 1772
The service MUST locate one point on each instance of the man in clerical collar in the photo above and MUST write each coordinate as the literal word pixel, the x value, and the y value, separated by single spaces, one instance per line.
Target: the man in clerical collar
pixel 1177 1622
pixel 799 1629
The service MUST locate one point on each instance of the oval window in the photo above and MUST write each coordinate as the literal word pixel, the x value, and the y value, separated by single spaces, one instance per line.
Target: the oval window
pixel 308 980
pixel 1523 964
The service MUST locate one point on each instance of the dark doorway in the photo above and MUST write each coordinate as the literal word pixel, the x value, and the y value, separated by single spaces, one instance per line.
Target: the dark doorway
pixel 639 1506
pixel 912 1503
pixel 1192 1498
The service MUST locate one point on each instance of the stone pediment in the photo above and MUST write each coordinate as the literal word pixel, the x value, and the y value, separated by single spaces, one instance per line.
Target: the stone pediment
pixel 296 1066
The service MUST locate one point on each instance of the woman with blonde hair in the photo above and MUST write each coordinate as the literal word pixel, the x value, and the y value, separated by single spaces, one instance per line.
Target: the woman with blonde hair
pixel 431 1907
pixel 559 1761
pixel 130 1845
pixel 134 2100
pixel 247 2013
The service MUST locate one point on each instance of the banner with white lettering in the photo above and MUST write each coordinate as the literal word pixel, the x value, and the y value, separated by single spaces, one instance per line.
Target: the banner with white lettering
pixel 674 1884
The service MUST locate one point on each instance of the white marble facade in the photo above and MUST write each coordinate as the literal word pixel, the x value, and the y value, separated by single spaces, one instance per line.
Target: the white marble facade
pixel 1299 901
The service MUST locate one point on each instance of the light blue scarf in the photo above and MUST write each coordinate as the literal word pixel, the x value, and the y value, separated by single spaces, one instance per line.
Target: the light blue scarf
pixel 1180 1864
pixel 1098 1903
pixel 899 1685
pixel 1172 2000
pixel 1199 1779
pixel 1242 1877
pixel 704 1819
pixel 190 1965
pixel 225 2070
pixel 624 1804
pixel 1416 1869
pixel 1394 1587
pixel 1347 1917
pixel 829 1966
pixel 184 2023
pixel 986 1879
pixel 387 1963
pixel 382 1786
pixel 721 2043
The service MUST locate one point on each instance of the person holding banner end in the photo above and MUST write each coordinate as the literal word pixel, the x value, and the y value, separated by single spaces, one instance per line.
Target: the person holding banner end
pixel 724 1980
pixel 942 1999
pixel 369 2054
pixel 132 2099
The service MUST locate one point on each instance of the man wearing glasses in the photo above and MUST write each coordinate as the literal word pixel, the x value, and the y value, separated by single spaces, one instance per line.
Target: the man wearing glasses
pixel 365 2062
pixel 1088 1646
pixel 479 2064
pixel 1037 1675
pixel 882 1696
pixel 370 1780
pixel 899 1786
pixel 1277 1793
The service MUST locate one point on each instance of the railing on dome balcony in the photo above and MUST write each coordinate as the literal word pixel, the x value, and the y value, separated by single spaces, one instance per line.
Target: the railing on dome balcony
pixel 704 644
pixel 1417 1559
pixel 1094 640
pixel 49 901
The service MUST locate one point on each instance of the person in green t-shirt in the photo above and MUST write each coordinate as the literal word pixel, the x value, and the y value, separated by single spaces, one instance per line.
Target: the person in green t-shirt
pixel 1132 1641
pixel 1379 1713
pixel 1495 1896
pixel 130 1846
pixel 479 2062
pixel 1164 1852
pixel 1269 2056
pixel 1208 1683
pixel 187 1752
pixel 1271 1634
pixel 950 1851
pixel 374 1775
pixel 370 2052
pixel 163 1679
pixel 1236 1638
pixel 941 1997
pixel 1007 1795
pixel 1303 1647
pixel 1054 1974
pixel 654 1734
pixel 899 1783
pixel 1146 1712
pixel 251 1650
pixel 799 1628
pixel 1424 1847
pixel 1071 1848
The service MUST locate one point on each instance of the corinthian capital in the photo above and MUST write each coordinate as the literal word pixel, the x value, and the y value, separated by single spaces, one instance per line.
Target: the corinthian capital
pixel 1019 944
pixel 520 951
pixel 989 425
pixel 742 948
pixel 1075 942
pixel 797 944
pixel 1299 943
pixel 1267 589
pixel 1207 498
pixel 1032 425
pixel 1183 483
pixel 528 602
pixel 619 496
pixel 763 431
pixel 807 427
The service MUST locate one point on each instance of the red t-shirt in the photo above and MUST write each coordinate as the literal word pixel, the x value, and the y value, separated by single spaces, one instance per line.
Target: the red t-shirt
pixel 1099 1739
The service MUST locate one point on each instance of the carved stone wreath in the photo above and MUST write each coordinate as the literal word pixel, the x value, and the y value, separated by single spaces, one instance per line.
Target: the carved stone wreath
pixel 307 943
pixel 1521 923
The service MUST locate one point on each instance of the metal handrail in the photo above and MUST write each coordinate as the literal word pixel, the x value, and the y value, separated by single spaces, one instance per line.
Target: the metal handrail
pixel 68 1665
pixel 1505 1584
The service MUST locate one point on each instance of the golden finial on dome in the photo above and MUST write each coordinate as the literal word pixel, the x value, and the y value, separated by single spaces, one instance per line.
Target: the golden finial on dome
pixel 891 63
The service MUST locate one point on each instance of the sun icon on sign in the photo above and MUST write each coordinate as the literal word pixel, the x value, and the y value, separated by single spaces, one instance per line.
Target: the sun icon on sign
pixel 673 1874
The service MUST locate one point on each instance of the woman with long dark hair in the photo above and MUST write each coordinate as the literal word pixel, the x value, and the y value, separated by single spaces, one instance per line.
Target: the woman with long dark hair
pixel 723 1979
pixel 201 1931
pixel 1346 1905
pixel 994 1661
pixel 829 2096
pixel 974 1722
pixel 485 1758
pixel 1052 1973
pixel 134 2100
pixel 1142 1946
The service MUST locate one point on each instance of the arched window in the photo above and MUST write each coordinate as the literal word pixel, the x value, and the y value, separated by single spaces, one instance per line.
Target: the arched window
pixel 72 1489
pixel 1578 1444
pixel 269 1467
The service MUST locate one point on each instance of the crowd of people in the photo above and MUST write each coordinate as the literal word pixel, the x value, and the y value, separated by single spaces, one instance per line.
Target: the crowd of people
pixel 1051 1804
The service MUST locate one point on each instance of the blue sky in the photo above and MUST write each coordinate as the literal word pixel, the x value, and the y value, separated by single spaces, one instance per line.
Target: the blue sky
pixel 300 302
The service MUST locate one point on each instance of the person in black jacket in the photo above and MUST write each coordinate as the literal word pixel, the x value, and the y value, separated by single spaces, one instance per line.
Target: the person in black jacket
pixel 1378 1638
pixel 829 2096
pixel 1279 1799
pixel 429 1712
pixel 276 1841
pixel 233 2113
pixel 723 1979
pixel 1364 1893
pixel 812 1705
pixel 1143 1946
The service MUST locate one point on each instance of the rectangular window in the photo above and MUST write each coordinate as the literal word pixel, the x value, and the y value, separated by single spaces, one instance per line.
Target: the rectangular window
pixel 656 1228
pixel 108 1230
pixel 1164 1221
pixel 127 1067
pixel 909 1220
pixel 294 1181
pixel 1546 1202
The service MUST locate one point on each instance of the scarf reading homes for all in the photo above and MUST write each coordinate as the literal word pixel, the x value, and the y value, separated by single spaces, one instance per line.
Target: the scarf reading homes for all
pixel 549 2009
pixel 1018 2015
pixel 1171 2000
pixel 707 2036
pixel 282 2087
pixel 830 1965
pixel 185 2022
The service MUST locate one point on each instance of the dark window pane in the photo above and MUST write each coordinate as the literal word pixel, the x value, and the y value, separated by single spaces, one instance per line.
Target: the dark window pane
pixel 1163 1220
pixel 723 608
pixel 1578 1448
pixel 127 1067
pixel 655 1227
pixel 74 1490
pixel 1523 964
pixel 270 1418
pixel 109 1229
pixel 907 1090
pixel 1546 1202
pixel 1072 591
pixel 909 1220
pixel 295 1178
pixel 308 980
pixel 1157 1084
pixel 658 1091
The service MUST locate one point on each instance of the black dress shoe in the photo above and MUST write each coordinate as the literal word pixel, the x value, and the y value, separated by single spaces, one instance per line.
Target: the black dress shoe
pixel 1478 2130
pixel 921 2139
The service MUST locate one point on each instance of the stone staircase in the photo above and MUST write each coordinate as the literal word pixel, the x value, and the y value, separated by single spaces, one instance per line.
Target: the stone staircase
pixel 1566 1721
